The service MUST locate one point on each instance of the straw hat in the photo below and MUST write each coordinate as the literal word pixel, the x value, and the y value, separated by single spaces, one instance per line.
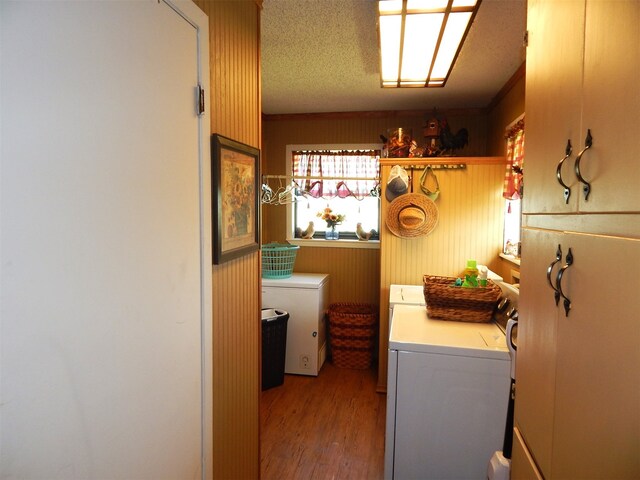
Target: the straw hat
pixel 412 215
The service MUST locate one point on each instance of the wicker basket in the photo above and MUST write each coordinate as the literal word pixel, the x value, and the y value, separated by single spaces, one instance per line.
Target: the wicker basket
pixel 278 260
pixel 352 334
pixel 445 301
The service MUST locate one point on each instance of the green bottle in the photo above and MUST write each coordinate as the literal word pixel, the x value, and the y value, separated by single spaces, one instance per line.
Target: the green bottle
pixel 470 274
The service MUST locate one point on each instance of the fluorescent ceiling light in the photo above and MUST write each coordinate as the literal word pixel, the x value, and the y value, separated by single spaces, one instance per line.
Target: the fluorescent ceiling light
pixel 420 39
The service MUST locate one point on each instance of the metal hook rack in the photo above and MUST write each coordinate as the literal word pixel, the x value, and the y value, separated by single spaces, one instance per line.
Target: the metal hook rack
pixel 439 166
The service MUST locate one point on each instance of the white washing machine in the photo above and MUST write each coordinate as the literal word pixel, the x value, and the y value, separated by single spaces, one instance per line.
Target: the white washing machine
pixel 305 296
pixel 447 396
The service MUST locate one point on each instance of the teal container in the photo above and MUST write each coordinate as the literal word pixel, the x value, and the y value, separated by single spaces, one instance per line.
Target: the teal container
pixel 278 260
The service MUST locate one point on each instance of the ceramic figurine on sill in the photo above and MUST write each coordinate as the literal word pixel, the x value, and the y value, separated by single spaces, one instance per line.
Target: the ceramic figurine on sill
pixel 362 235
pixel 306 234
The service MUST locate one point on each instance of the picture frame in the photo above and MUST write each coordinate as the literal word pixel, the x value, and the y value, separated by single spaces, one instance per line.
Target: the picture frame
pixel 235 175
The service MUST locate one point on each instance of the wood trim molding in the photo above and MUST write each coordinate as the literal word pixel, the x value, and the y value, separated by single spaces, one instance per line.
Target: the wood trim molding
pixel 372 114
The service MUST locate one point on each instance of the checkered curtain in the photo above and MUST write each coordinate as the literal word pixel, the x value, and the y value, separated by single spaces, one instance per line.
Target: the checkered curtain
pixel 337 164
pixel 515 162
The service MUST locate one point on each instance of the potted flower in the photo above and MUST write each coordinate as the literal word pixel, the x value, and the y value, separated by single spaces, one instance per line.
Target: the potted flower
pixel 332 220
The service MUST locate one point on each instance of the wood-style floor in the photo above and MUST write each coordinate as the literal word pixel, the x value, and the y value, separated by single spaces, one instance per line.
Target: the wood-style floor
pixel 325 427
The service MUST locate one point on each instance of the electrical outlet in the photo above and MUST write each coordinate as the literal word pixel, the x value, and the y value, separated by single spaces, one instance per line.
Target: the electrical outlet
pixel 305 362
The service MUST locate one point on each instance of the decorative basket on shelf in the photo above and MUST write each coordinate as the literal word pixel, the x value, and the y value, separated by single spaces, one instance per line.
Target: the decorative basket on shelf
pixel 445 301
pixel 278 260
pixel 352 334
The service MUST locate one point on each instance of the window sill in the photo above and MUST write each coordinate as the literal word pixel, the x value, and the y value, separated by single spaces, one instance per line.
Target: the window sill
pixel 510 258
pixel 369 244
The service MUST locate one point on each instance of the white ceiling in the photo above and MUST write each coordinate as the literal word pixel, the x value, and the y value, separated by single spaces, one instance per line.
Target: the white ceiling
pixel 322 56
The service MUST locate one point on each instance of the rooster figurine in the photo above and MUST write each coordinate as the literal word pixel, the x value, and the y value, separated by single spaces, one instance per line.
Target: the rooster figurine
pixel 452 141
pixel 362 235
pixel 308 233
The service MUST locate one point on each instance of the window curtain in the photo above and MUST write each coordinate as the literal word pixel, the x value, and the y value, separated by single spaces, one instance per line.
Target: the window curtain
pixel 359 169
pixel 515 162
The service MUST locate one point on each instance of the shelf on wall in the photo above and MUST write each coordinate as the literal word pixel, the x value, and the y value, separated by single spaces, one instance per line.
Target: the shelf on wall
pixel 418 162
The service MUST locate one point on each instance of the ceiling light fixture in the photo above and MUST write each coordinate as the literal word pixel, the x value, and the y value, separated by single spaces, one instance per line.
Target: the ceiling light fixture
pixel 420 39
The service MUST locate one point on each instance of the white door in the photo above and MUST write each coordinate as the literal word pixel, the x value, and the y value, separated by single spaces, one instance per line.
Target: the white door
pixel 105 302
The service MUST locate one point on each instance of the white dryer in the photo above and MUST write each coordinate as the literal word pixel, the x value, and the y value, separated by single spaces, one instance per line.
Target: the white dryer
pixel 447 395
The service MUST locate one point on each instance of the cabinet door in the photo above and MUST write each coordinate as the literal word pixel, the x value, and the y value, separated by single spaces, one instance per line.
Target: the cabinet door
pixel 597 409
pixel 553 99
pixel 522 465
pixel 611 106
pixel 536 358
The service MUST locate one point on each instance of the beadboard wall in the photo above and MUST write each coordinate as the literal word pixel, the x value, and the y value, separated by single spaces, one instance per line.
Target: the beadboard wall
pixel 235 113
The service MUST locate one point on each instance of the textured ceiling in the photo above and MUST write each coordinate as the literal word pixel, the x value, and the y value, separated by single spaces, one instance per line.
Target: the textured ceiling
pixel 322 56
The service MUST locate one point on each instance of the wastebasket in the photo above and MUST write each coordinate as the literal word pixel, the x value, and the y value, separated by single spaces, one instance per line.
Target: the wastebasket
pixel 274 346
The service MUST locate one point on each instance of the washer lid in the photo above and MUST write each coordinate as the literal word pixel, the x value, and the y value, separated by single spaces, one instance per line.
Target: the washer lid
pixel 407 294
pixel 413 331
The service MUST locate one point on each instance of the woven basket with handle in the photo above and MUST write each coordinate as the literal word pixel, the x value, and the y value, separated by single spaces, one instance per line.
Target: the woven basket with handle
pixel 445 301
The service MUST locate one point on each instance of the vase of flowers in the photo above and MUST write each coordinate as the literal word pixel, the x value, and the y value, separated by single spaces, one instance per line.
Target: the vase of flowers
pixel 332 220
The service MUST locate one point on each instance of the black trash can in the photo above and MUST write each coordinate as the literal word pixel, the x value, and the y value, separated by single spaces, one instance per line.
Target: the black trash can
pixel 274 346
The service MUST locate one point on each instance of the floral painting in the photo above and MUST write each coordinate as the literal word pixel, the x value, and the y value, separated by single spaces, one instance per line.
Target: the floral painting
pixel 235 202
pixel 238 175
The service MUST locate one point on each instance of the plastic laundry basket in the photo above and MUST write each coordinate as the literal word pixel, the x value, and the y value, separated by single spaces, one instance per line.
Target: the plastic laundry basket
pixel 278 260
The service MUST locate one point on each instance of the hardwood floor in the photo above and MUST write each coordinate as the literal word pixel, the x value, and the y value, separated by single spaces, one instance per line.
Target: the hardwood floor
pixel 325 427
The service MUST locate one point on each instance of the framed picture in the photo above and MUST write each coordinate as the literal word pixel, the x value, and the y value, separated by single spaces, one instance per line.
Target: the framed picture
pixel 235 176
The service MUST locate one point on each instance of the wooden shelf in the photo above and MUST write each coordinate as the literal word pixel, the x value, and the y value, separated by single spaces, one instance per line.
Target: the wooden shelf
pixel 442 161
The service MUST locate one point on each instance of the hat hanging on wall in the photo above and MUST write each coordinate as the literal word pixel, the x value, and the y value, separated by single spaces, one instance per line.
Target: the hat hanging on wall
pixel 412 215
pixel 429 184
pixel 398 183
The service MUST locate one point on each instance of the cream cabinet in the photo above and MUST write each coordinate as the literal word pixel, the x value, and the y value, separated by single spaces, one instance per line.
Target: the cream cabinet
pixel 578 391
pixel 583 65
pixel 524 468
pixel 577 409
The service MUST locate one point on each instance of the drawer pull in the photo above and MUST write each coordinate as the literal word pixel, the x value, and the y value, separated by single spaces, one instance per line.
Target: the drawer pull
pixel 588 142
pixel 550 269
pixel 567 154
pixel 567 302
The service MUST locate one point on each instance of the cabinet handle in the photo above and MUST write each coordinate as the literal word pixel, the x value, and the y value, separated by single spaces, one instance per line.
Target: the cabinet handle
pixel 551 265
pixel 567 302
pixel 567 154
pixel 588 142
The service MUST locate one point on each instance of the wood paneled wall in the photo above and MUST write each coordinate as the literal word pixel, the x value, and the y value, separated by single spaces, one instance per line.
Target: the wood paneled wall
pixel 470 212
pixel 355 273
pixel 507 106
pixel 235 113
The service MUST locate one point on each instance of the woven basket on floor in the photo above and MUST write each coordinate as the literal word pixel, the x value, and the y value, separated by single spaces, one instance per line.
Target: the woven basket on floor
pixel 352 334
pixel 445 301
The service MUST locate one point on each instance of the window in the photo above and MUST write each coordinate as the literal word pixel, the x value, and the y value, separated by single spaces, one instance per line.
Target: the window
pixel 513 190
pixel 344 178
pixel 512 218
